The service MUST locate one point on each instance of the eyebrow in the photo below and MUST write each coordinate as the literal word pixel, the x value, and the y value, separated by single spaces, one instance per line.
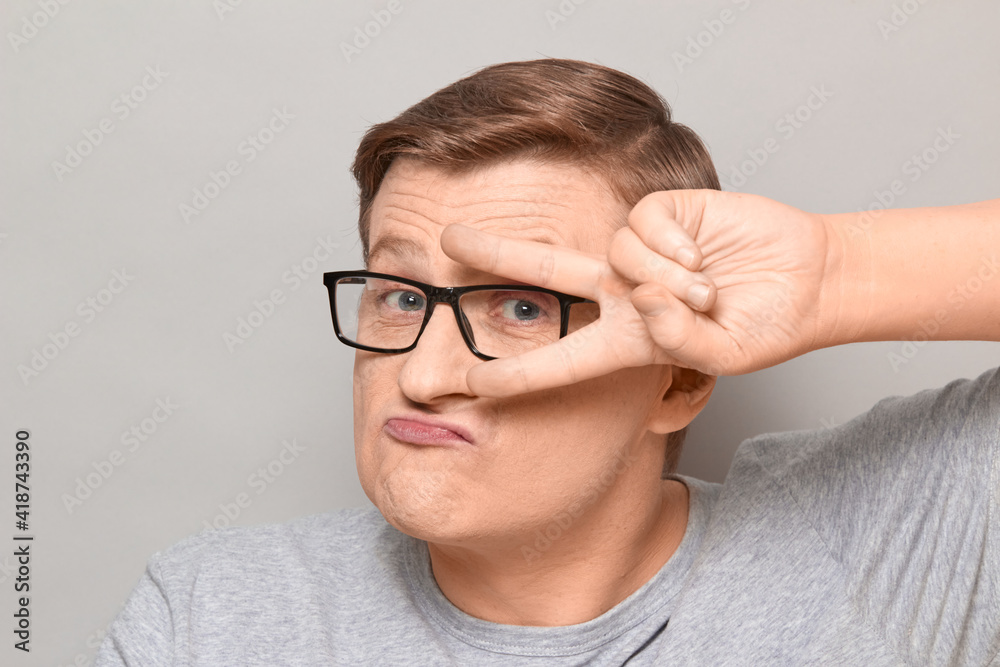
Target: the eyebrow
pixel 401 247
pixel 398 246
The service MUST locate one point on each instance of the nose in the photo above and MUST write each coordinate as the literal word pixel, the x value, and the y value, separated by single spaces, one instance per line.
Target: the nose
pixel 437 367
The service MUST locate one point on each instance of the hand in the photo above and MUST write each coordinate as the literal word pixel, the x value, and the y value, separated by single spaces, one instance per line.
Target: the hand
pixel 762 265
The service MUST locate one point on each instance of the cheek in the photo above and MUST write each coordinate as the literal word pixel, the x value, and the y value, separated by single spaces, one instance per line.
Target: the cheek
pixel 572 431
pixel 374 382
pixel 375 378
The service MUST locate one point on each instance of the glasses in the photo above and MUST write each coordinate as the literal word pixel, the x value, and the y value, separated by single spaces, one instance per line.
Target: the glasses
pixel 384 313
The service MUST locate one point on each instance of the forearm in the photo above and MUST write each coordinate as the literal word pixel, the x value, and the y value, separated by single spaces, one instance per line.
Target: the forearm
pixel 932 273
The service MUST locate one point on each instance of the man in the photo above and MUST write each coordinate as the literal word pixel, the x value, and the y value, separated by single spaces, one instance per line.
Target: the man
pixel 513 436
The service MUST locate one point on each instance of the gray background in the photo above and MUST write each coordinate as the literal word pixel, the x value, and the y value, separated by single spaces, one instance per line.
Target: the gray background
pixel 63 234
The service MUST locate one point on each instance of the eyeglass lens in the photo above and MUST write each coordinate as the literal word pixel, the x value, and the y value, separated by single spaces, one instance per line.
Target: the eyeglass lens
pixel 388 314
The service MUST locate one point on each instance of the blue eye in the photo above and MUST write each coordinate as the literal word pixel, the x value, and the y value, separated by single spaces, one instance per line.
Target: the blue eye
pixel 519 309
pixel 405 300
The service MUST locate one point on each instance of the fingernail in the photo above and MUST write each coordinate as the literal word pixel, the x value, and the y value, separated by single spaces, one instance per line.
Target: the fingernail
pixel 686 257
pixel 650 306
pixel 698 295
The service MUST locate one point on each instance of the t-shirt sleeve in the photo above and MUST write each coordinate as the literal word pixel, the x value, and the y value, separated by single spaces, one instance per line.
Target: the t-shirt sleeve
pixel 142 634
pixel 906 498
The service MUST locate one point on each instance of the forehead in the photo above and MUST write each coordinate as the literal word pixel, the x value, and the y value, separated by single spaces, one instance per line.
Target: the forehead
pixel 556 204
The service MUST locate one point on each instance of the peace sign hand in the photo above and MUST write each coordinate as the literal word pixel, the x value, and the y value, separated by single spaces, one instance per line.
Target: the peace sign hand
pixel 761 265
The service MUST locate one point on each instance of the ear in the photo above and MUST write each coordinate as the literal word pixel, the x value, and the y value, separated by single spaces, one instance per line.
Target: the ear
pixel 683 394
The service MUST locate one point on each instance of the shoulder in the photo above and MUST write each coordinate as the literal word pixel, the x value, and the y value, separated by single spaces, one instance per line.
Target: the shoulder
pixel 351 527
pixel 259 594
pixel 909 463
pixel 277 555
pixel 960 418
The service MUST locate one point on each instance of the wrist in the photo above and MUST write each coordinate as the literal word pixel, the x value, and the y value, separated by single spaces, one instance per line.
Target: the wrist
pixel 844 306
pixel 904 273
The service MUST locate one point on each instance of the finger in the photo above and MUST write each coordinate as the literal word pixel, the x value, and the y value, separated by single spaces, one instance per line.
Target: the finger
pixel 654 220
pixel 542 264
pixel 581 355
pixel 689 337
pixel 631 258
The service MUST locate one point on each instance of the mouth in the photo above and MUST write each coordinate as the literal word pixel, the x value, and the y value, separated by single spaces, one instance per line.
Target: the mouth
pixel 424 431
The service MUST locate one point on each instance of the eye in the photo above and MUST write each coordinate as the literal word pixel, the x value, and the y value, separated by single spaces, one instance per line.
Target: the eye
pixel 405 300
pixel 520 309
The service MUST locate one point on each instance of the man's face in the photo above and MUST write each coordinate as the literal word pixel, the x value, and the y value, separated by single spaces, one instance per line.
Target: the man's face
pixel 443 464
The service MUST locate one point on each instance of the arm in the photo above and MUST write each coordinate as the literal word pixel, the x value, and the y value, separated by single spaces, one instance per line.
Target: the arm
pixel 780 282
pixel 143 632
pixel 928 272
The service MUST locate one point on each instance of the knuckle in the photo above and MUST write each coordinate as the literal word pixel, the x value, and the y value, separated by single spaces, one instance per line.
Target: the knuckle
pixel 669 335
pixel 640 211
pixel 522 376
pixel 618 248
pixel 546 268
pixel 494 251
pixel 659 268
pixel 619 241
pixel 566 359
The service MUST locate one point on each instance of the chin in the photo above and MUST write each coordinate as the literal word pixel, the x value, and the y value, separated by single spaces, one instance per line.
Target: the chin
pixel 421 492
pixel 423 504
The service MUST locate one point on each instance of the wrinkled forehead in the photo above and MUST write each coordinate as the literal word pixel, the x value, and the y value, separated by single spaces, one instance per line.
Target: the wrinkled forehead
pixel 555 204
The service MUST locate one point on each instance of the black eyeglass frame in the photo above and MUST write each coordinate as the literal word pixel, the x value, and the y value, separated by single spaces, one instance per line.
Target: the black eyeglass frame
pixel 448 295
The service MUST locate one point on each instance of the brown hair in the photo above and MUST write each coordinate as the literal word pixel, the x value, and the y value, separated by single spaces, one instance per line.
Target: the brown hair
pixel 550 110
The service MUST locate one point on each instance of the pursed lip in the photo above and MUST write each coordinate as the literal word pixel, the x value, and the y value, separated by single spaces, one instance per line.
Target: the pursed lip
pixel 425 430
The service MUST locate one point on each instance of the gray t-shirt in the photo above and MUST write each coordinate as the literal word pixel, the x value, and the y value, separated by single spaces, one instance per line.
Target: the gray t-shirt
pixel 872 543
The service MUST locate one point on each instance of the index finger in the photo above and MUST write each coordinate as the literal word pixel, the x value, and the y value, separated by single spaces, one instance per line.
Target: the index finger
pixel 579 356
pixel 658 220
pixel 542 264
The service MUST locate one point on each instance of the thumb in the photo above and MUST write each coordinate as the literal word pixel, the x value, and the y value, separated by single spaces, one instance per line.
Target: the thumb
pixel 684 334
